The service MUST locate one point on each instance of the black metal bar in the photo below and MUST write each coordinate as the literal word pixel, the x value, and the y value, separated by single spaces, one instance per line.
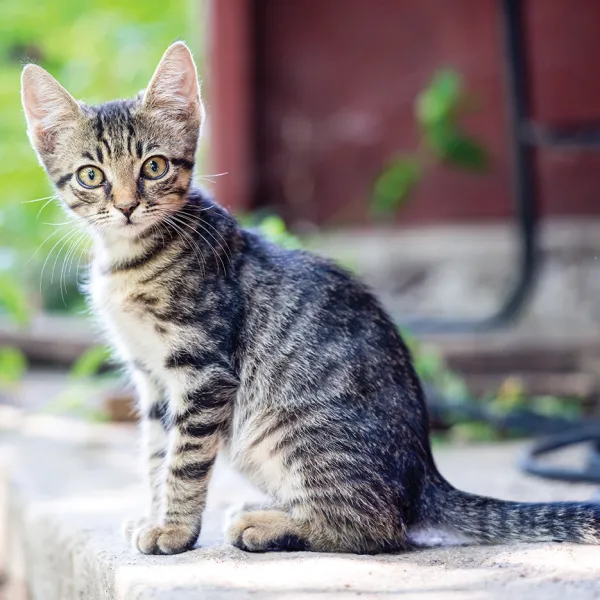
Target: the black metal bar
pixel 570 138
pixel 524 188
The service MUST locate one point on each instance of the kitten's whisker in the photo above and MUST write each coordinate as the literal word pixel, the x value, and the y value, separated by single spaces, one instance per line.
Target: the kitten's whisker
pixel 61 279
pixel 214 175
pixel 39 199
pixel 156 228
pixel 52 198
pixel 201 223
pixel 59 224
pixel 68 260
pixel 78 271
pixel 194 246
pixel 194 220
pixel 224 214
pixel 50 254
pixel 65 244
pixel 41 245
pixel 216 254
pixel 83 249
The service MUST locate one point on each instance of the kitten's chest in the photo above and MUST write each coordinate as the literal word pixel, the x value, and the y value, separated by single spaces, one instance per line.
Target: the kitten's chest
pixel 132 328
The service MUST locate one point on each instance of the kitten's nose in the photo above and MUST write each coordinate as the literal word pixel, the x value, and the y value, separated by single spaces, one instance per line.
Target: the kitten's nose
pixel 127 209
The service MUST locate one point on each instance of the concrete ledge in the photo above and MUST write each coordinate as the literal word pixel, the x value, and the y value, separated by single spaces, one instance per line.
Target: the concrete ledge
pixel 68 495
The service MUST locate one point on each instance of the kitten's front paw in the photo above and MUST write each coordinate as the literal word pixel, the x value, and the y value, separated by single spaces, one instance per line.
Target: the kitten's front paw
pixel 163 539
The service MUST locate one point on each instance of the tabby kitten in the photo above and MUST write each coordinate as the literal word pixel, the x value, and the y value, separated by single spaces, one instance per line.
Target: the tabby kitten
pixel 279 357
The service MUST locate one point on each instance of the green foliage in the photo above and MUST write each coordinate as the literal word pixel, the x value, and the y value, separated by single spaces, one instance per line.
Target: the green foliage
pixel 432 368
pixel 509 397
pixel 438 102
pixel 12 366
pixel 273 228
pixel 456 148
pixel 90 362
pixel 74 401
pixel 395 184
pixel 13 300
pixel 14 306
pixel 473 432
pixel 85 381
pixel 439 109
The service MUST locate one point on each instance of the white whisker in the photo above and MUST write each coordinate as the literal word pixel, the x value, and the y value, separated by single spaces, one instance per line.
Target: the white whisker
pixel 39 199
pixel 201 222
pixel 40 246
pixel 52 198
pixel 49 255
pixel 216 254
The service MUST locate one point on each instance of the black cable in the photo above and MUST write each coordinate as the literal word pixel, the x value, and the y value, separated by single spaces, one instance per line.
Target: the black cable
pixel 590 473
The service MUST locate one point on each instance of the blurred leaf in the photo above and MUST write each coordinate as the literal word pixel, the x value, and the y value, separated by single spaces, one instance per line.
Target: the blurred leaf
pixel 13 300
pixel 474 432
pixel 440 100
pixel 394 185
pixel 455 148
pixel 553 406
pixel 453 387
pixel 509 397
pixel 13 365
pixel 410 340
pixel 90 362
pixel 273 228
pixel 75 401
pixel 429 364
pixel 438 439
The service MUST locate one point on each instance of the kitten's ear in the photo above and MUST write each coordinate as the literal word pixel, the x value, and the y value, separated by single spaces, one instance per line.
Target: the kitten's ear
pixel 174 87
pixel 48 107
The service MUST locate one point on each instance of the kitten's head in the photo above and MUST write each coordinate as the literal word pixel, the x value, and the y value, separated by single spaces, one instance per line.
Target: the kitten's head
pixel 125 165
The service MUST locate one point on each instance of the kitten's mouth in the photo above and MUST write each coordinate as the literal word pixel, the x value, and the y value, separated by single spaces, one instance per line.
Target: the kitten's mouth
pixel 133 228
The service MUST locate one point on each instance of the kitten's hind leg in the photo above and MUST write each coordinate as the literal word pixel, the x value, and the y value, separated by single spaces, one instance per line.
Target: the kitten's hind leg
pixel 268 530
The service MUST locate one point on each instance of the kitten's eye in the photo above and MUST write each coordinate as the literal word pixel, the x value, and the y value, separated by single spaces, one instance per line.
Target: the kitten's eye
pixel 90 177
pixel 155 167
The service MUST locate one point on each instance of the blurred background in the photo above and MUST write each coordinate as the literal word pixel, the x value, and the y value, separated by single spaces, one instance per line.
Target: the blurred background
pixel 444 151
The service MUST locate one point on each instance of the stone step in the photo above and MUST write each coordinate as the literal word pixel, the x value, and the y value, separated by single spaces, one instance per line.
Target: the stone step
pixel 70 484
pixel 516 350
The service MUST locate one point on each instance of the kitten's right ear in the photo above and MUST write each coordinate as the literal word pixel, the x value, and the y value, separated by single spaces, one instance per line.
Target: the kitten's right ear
pixel 48 107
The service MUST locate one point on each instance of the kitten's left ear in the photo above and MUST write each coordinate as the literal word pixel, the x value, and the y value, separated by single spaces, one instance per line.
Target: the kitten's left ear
pixel 174 88
pixel 49 108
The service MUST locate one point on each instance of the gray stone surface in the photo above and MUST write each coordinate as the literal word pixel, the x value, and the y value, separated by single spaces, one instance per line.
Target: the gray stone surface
pixel 72 484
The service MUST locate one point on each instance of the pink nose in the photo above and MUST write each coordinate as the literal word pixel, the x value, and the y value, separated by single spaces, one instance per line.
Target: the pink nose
pixel 127 209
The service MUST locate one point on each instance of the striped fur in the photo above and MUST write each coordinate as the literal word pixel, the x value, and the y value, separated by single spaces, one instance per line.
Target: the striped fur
pixel 277 356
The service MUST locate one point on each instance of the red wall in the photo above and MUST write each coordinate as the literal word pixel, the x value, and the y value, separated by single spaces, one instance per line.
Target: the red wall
pixel 335 81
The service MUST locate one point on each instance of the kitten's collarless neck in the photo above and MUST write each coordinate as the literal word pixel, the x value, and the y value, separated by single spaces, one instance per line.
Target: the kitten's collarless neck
pixel 111 255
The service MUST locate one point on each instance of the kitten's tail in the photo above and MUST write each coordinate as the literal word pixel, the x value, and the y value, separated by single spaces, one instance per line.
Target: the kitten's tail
pixel 488 521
